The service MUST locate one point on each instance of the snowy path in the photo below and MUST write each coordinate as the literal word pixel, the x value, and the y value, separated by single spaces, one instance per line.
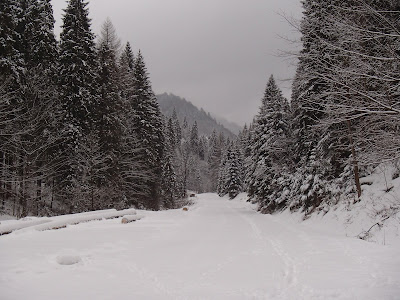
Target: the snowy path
pixel 219 249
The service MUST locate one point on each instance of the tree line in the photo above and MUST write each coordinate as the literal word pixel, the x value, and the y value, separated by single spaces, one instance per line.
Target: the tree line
pixel 80 128
pixel 344 114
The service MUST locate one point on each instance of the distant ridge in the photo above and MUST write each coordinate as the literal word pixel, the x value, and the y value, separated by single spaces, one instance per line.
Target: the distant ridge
pixel 205 122
pixel 232 126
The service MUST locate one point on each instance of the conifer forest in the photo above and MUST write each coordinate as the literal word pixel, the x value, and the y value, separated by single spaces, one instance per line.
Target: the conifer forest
pixel 81 129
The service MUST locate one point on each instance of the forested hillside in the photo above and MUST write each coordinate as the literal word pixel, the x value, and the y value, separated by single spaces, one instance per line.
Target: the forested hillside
pixel 186 110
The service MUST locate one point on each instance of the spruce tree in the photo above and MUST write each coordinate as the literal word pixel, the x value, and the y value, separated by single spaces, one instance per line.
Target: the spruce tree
pixel 169 183
pixel 125 64
pixel 11 60
pixel 222 174
pixel 37 31
pixel 313 145
pixel 214 159
pixel 268 148
pixel 109 111
pixel 35 101
pixel 77 82
pixel 148 125
pixel 233 184
pixel 77 68
pixel 194 139
pixel 170 136
pixel 177 128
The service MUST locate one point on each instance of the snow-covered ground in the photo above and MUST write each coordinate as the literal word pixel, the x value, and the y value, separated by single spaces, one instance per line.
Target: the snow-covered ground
pixel 219 249
pixel 33 223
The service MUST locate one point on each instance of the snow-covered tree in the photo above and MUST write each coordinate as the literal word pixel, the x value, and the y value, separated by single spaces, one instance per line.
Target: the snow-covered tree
pixel 148 125
pixel 214 159
pixel 11 59
pixel 109 109
pixel 194 139
pixel 77 82
pixel 234 173
pixel 169 184
pixel 37 32
pixel 269 148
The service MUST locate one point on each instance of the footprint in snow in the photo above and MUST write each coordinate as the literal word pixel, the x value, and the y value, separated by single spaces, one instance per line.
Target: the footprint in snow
pixel 67 260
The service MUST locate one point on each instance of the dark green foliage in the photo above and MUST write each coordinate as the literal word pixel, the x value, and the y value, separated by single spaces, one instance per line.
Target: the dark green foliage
pixel 268 144
pixel 37 29
pixel 147 124
pixel 230 173
pixel 78 63
pixel 169 184
pixel 78 91
pixel 194 139
pixel 11 59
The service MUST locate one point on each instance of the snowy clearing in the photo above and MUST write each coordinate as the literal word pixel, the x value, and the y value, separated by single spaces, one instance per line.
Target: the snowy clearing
pixel 218 249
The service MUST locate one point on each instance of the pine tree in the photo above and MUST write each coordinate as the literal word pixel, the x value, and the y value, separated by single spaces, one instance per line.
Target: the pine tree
pixel 11 60
pixel 126 62
pixel 314 145
pixel 214 159
pixel 268 148
pixel 109 110
pixel 194 139
pixel 169 184
pixel 222 174
pixel 177 128
pixel 170 137
pixel 77 82
pixel 202 147
pixel 233 184
pixel 108 118
pixel 148 125
pixel 34 104
pixel 37 32
pixel 77 69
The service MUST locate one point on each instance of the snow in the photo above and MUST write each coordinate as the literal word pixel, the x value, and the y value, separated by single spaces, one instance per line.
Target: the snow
pixel 378 207
pixel 62 221
pixel 6 227
pixel 68 259
pixel 130 218
pixel 218 249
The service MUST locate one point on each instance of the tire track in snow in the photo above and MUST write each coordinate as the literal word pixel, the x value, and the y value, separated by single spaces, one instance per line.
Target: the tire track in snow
pixel 289 278
pixel 149 277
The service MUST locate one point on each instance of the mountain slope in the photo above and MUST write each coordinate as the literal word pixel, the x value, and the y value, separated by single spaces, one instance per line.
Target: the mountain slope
pixel 205 122
pixel 231 126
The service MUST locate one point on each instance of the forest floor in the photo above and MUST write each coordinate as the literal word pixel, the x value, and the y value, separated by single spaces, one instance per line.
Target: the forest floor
pixel 218 249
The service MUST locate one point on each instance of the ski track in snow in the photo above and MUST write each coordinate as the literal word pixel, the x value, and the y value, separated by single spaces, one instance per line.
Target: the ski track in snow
pixel 219 249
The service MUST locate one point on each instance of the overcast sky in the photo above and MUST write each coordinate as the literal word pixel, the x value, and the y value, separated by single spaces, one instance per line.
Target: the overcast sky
pixel 218 54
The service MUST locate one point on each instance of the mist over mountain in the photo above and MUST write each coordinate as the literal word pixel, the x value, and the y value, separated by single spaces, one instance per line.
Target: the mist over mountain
pixel 232 126
pixel 205 122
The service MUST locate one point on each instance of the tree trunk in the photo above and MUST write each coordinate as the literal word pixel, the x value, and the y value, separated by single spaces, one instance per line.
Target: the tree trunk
pixel 354 161
pixel 39 194
pixel 3 183
pixel 52 194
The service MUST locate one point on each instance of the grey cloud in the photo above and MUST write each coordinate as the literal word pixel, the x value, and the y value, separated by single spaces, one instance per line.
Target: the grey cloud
pixel 217 54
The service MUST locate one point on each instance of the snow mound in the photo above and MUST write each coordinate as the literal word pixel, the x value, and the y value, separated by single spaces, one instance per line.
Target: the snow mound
pixel 7 227
pixel 67 260
pixel 375 217
pixel 130 218
pixel 58 222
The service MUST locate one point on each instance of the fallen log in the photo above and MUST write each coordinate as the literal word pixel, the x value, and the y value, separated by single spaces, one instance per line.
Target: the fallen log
pixel 130 218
